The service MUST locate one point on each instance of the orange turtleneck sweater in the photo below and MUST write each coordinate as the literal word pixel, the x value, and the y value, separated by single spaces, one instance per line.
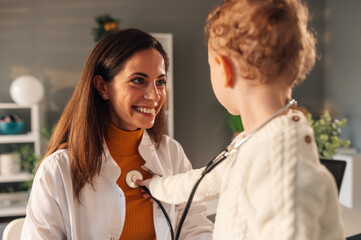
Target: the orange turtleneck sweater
pixel 123 147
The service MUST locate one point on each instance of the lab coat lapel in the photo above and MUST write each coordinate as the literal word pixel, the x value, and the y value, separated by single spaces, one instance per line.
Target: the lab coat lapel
pixel 149 153
pixel 110 168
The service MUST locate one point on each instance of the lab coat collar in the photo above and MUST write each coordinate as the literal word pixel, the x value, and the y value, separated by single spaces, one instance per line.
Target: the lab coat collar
pixel 147 150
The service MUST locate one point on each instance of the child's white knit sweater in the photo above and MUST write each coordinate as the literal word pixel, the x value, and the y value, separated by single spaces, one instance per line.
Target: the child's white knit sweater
pixel 273 188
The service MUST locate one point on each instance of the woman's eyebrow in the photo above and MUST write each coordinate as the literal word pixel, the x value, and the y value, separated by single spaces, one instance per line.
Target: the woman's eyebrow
pixel 139 73
pixel 145 75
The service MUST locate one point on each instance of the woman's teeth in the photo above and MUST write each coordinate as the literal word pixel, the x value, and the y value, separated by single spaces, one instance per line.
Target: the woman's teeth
pixel 145 110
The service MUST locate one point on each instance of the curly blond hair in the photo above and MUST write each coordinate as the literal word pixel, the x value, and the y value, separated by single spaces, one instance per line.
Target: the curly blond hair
pixel 270 36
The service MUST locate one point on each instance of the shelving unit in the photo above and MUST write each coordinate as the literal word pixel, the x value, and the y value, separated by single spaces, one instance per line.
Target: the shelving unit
pixel 16 200
pixel 33 136
pixel 19 177
pixel 13 211
pixel 14 203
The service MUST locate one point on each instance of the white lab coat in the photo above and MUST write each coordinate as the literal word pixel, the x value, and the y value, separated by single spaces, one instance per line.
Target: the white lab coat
pixel 53 212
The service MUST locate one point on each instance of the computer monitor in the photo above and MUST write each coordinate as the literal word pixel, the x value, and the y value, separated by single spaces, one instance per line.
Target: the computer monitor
pixel 337 168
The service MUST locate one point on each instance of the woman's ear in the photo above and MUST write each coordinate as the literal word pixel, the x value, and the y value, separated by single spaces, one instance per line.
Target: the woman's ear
pixel 227 71
pixel 101 86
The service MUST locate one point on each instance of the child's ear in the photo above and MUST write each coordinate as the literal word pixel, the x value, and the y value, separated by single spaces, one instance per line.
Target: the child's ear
pixel 226 67
pixel 101 86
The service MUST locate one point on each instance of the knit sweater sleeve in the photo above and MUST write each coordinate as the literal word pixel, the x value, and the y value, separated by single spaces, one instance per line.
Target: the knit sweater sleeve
pixel 176 189
pixel 297 198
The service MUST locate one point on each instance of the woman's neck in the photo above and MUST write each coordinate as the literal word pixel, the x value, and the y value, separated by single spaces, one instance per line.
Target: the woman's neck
pixel 122 142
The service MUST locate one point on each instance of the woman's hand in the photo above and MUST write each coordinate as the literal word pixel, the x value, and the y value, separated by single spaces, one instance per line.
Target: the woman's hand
pixel 145 183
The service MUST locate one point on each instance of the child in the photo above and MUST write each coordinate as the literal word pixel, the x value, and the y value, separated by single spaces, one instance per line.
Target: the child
pixel 273 186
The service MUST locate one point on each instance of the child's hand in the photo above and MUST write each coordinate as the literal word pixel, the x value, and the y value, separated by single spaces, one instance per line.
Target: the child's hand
pixel 145 183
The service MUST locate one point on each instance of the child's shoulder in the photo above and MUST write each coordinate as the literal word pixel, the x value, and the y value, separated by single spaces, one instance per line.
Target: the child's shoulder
pixel 290 136
pixel 296 120
pixel 287 129
pixel 297 137
pixel 298 145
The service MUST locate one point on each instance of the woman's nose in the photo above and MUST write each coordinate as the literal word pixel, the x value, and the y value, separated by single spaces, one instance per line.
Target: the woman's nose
pixel 152 93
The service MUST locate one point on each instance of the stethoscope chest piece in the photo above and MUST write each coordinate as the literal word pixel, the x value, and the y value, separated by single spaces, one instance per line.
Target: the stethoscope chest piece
pixel 131 177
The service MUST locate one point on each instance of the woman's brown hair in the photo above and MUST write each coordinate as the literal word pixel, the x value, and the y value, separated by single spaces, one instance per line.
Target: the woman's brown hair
pixel 81 128
pixel 270 36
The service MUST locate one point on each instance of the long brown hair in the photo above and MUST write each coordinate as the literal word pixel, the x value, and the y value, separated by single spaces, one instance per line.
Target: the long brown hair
pixel 81 128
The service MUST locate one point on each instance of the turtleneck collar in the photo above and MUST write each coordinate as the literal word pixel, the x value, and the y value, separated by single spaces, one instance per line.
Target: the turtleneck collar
pixel 123 143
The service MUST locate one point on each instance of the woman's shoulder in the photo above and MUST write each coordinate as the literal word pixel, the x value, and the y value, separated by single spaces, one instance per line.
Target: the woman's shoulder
pixel 58 160
pixel 166 142
pixel 171 151
pixel 169 140
pixel 171 144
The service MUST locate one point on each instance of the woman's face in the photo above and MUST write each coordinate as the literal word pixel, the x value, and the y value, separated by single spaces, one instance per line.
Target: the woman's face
pixel 138 91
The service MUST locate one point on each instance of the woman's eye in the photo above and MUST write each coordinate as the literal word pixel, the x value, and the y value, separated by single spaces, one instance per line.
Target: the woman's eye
pixel 161 82
pixel 138 81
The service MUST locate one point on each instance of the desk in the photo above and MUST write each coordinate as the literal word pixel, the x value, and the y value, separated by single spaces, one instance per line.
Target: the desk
pixel 351 221
pixel 350 217
pixel 212 207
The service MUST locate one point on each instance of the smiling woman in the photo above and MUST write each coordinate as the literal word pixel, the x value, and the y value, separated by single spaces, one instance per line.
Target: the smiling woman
pixel 113 124
pixel 137 93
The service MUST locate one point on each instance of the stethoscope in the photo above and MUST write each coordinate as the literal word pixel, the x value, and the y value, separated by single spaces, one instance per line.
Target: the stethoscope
pixel 133 175
pixel 130 179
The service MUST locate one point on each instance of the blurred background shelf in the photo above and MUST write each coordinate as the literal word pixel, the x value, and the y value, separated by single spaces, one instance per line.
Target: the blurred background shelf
pixel 14 193
pixel 19 138
pixel 19 177
pixel 34 134
pixel 12 211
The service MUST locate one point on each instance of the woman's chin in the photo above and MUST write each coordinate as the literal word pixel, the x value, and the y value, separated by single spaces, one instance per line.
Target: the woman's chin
pixel 146 125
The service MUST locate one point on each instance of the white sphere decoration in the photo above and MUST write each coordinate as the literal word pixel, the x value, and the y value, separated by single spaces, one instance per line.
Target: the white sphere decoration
pixel 26 90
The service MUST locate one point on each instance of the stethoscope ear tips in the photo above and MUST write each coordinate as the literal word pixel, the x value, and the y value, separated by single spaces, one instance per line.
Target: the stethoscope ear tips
pixel 131 177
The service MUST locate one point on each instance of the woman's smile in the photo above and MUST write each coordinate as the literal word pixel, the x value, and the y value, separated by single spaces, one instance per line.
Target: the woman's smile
pixel 146 110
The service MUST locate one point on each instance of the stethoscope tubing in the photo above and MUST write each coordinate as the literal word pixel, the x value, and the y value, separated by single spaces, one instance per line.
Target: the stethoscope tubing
pixel 163 211
pixel 210 166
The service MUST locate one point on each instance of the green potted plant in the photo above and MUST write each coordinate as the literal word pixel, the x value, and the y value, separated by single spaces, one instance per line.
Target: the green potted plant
pixel 28 159
pixel 327 133
pixel 235 123
pixel 105 24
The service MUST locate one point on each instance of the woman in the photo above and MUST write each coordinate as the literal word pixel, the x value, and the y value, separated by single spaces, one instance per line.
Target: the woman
pixel 113 123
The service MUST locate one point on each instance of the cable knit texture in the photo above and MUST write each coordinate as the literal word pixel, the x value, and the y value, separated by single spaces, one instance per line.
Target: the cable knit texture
pixel 273 187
